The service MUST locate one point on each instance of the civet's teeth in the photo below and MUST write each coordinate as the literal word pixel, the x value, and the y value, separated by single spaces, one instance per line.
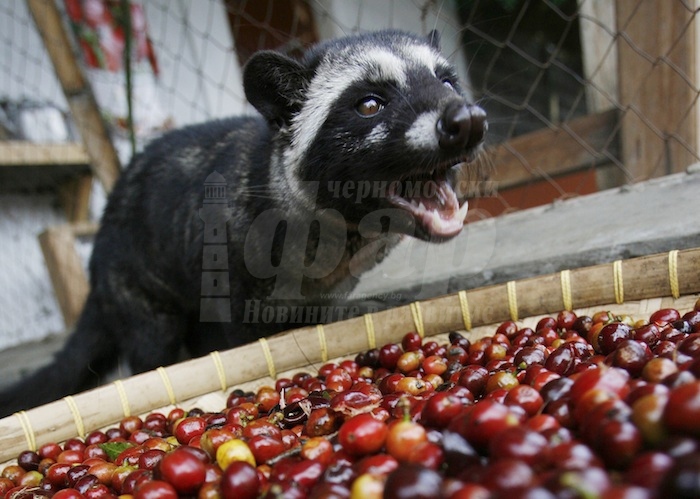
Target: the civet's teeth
pixel 441 198
pixel 463 210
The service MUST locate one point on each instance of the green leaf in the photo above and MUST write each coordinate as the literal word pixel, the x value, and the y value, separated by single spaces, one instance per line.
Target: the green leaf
pixel 113 449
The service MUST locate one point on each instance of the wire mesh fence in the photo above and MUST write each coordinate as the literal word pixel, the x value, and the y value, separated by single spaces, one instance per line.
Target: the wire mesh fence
pixel 533 65
pixel 581 95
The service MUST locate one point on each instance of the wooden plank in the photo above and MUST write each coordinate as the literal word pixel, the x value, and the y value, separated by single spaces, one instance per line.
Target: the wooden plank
pixel 84 229
pixel 26 165
pixel 74 196
pixel 570 147
pixel 93 131
pixel 658 86
pixel 22 153
pixel 599 53
pixel 38 178
pixel 66 271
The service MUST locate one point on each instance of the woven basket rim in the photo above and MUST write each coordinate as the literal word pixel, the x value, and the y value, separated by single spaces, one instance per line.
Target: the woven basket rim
pixel 636 284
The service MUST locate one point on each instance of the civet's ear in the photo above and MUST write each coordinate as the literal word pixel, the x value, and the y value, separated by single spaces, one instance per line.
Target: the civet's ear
pixel 275 84
pixel 434 39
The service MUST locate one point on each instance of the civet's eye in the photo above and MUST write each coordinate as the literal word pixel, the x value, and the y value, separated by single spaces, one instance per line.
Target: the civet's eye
pixel 369 106
pixel 448 83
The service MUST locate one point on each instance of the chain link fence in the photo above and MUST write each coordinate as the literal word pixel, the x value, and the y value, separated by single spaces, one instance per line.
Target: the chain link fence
pixel 581 96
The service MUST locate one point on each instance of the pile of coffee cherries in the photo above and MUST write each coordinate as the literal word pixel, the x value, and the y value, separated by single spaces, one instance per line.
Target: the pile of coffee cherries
pixel 577 407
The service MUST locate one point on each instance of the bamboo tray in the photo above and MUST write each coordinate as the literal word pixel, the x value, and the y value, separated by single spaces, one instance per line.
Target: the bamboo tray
pixel 635 287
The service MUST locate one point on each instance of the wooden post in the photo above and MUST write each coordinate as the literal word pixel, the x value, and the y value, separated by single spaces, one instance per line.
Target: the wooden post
pixel 599 53
pixel 93 131
pixel 657 43
pixel 69 281
pixel 600 67
pixel 74 196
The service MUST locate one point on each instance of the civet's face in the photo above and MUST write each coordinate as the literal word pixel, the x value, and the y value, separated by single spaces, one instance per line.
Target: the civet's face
pixel 382 124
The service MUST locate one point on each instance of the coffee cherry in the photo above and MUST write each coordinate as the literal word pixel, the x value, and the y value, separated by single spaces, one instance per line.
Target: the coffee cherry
pixel 479 423
pixel 68 493
pixel 188 428
pixel 362 434
pixel 412 481
pixel 155 489
pixel 367 486
pixel 240 481
pixel 441 408
pixel 183 470
pixel 520 443
pixel 665 316
pixel 683 478
pixel 403 437
pixel 265 448
pixel 526 397
pixel 682 411
pixel 5 485
pixel 658 369
pixel 389 355
pixel 135 479
pixel 234 450
pixel 411 342
pixel 632 356
pixel 648 469
pixel 474 377
pixel 612 335
pixel 28 460
pixel 507 475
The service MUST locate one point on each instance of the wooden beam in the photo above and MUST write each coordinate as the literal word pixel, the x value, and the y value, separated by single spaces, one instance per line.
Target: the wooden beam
pixel 657 43
pixel 84 229
pixel 599 53
pixel 23 153
pixel 74 196
pixel 600 59
pixel 575 145
pixel 66 271
pixel 26 163
pixel 103 156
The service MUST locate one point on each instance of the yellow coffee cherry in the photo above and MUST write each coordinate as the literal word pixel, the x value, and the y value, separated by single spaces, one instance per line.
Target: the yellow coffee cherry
pixel 234 450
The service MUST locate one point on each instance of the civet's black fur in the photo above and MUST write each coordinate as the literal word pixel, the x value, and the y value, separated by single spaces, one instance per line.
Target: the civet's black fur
pixel 146 269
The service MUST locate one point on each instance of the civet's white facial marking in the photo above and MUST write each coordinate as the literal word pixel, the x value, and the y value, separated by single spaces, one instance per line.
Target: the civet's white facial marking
pixel 424 56
pixel 378 134
pixel 422 134
pixel 382 65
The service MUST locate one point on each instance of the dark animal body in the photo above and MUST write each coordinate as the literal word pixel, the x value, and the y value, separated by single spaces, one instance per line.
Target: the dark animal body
pixel 381 110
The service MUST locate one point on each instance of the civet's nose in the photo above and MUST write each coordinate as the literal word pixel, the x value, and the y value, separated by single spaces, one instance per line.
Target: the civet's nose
pixel 461 126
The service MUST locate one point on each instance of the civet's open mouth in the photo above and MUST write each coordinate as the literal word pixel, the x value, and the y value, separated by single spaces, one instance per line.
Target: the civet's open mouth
pixel 432 201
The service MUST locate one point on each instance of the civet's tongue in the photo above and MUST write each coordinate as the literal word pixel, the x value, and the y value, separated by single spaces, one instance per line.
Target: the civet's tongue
pixel 435 206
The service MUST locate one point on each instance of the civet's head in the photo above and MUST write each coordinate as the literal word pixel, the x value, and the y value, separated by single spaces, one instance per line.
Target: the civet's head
pixel 380 121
